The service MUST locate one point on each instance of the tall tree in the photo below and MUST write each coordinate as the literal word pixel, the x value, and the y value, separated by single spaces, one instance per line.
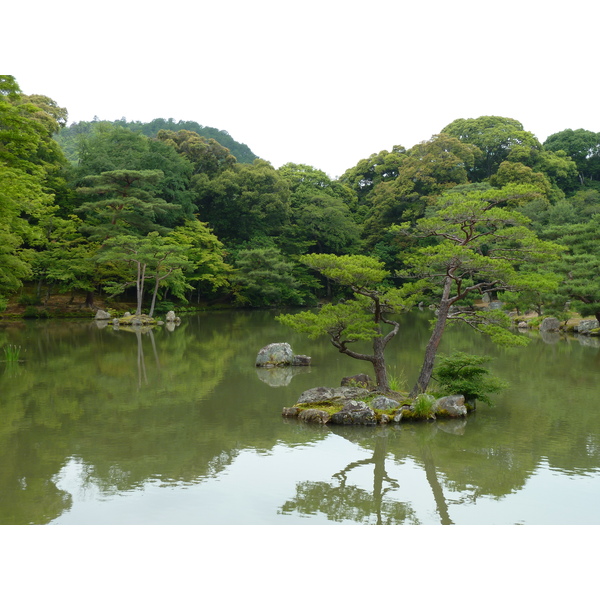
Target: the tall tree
pixel 361 318
pixel 244 202
pixel 109 148
pixel 321 213
pixel 207 156
pixel 479 247
pixel 124 202
pixel 263 277
pixel 495 137
pixel 426 171
pixel 582 146
pixel 28 158
pixel 153 258
pixel 580 265
pixel 206 253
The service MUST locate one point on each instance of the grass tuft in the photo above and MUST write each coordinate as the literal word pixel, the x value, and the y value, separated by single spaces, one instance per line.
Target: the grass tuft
pixel 12 353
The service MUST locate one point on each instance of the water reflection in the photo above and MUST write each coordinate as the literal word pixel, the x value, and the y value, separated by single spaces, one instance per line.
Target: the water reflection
pixel 186 410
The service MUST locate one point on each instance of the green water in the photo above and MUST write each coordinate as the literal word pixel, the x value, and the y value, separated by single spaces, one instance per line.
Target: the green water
pixel 178 427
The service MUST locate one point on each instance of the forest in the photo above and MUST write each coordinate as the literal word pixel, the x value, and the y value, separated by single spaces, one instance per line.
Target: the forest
pixel 179 215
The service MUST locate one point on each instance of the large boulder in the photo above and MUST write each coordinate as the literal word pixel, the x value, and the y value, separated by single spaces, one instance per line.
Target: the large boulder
pixel 550 324
pixel 102 315
pixel 384 403
pixel 354 412
pixel 451 406
pixel 586 325
pixel 280 354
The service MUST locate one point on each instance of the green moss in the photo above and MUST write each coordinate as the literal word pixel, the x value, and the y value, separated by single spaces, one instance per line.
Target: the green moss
pixel 329 407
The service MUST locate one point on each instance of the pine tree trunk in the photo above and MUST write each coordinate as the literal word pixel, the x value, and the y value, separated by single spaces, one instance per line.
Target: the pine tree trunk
pixel 381 377
pixel 434 342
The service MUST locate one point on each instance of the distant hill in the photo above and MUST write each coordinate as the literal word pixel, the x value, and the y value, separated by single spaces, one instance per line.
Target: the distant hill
pixel 67 137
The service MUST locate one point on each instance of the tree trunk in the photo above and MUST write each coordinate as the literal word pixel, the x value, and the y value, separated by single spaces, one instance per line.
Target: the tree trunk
pixel 434 342
pixel 153 303
pixel 140 287
pixel 381 377
pixel 89 299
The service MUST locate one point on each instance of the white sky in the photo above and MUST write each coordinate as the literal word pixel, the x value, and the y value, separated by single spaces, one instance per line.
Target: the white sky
pixel 319 82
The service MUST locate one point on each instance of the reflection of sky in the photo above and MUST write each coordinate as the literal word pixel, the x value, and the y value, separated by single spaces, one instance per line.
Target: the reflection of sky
pixel 254 487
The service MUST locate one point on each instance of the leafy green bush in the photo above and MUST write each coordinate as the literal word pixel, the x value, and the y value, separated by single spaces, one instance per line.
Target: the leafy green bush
pixel 29 300
pixel 163 307
pixel 464 374
pixel 31 312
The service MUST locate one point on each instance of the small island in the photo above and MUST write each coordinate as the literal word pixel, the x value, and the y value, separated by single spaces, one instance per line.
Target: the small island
pixel 355 405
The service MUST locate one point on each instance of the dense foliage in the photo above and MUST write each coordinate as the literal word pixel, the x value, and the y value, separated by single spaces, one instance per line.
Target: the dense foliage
pixel 183 213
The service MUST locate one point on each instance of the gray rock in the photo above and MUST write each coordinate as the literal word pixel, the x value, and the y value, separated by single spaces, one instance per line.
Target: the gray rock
pixel 280 354
pixel 127 314
pixel 301 360
pixel 324 394
pixel 522 325
pixel 347 393
pixel 586 326
pixel 550 324
pixel 399 414
pixel 313 415
pixel 275 355
pixel 170 318
pixel 354 412
pixel 451 406
pixel 360 380
pixel 314 395
pixel 102 315
pixel 291 411
pixel 384 403
pixel 495 305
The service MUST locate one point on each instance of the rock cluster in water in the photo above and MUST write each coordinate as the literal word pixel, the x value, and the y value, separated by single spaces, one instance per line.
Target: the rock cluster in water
pixel 355 405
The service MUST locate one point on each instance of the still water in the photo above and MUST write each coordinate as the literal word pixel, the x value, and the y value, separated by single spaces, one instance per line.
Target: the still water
pixel 99 426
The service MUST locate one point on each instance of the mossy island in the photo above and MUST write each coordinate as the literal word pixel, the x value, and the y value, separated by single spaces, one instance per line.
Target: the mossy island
pixel 355 405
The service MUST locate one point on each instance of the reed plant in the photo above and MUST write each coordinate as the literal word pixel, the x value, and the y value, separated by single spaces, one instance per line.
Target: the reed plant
pixel 12 353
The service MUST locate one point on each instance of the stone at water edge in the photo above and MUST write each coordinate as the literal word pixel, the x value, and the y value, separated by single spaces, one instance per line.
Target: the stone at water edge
pixel 451 406
pixel 586 325
pixel 361 380
pixel 354 412
pixel 550 324
pixel 102 315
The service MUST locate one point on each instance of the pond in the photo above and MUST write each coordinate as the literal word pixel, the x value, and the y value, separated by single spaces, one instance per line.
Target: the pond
pixel 99 426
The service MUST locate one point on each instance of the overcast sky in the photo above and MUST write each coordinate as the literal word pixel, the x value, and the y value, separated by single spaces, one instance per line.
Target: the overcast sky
pixel 319 82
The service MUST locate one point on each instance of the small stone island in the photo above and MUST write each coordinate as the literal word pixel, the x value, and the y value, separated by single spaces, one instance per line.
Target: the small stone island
pixel 355 405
